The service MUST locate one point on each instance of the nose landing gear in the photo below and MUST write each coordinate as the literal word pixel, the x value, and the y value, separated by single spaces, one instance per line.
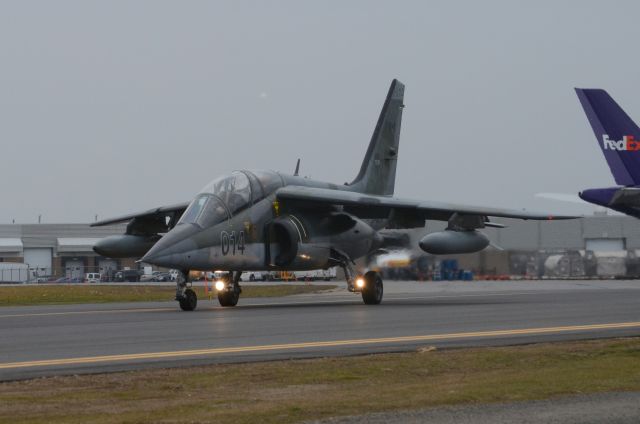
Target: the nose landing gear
pixel 185 295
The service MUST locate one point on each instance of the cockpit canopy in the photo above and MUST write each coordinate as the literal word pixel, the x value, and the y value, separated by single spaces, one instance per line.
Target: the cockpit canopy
pixel 234 190
pixel 226 195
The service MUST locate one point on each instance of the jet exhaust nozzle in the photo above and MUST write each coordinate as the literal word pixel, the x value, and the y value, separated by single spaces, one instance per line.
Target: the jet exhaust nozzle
pixel 452 242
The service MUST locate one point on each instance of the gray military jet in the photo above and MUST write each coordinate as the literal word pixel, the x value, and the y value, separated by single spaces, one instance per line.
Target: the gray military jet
pixel 266 220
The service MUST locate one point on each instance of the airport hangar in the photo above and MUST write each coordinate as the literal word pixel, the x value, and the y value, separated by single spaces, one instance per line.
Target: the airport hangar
pixel 66 249
pixel 58 249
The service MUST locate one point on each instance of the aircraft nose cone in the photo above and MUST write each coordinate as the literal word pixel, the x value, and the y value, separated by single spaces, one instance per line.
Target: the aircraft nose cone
pixel 168 250
pixel 101 248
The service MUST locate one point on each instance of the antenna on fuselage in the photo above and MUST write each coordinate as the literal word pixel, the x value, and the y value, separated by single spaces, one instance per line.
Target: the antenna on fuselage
pixel 295 174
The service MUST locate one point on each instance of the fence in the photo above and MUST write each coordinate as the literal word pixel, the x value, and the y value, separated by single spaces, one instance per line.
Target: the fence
pixel 552 264
pixel 23 273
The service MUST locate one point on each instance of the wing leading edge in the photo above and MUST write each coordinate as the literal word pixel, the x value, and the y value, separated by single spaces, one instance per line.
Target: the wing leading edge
pixel 414 211
pixel 159 219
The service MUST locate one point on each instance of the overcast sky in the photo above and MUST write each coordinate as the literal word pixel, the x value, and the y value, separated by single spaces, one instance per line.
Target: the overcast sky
pixel 116 106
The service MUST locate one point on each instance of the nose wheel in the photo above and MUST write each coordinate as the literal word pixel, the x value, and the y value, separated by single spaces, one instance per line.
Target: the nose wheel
pixel 185 295
pixel 189 300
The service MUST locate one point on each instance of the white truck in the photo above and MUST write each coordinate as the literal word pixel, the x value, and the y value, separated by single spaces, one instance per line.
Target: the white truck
pixel 15 272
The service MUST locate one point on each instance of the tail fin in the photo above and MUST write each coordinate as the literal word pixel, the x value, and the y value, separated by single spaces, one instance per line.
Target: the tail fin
pixel 378 171
pixel 617 134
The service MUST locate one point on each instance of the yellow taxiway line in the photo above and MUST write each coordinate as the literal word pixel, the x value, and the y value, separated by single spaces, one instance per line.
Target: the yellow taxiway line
pixel 307 345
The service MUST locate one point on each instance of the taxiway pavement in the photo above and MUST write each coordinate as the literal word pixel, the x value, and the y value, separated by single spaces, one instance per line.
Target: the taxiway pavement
pixel 49 340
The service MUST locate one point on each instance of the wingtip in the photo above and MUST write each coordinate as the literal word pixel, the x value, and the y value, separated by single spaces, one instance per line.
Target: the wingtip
pixel 563 217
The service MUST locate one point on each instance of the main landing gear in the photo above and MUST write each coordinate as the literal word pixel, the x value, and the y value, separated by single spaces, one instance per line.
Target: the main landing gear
pixel 185 295
pixel 373 289
pixel 229 289
pixel 370 285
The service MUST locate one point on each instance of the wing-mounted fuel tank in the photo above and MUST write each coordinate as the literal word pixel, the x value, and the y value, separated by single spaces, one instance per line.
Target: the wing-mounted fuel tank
pixel 125 245
pixel 459 237
pixel 305 241
pixel 142 233
pixel 450 242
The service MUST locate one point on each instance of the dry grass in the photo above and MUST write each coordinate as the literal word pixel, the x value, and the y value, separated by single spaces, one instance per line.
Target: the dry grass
pixel 298 390
pixel 89 293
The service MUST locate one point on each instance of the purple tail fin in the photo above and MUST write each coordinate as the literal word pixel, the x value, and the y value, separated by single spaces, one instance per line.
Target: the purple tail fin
pixel 618 136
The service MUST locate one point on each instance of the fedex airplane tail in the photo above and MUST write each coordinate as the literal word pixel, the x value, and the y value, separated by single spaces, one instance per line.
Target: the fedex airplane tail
pixel 617 134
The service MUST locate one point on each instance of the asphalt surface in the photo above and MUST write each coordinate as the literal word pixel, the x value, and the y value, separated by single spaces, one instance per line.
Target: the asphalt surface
pixel 611 408
pixel 49 340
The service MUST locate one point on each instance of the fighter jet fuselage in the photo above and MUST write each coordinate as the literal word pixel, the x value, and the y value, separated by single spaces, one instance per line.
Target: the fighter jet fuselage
pixel 262 232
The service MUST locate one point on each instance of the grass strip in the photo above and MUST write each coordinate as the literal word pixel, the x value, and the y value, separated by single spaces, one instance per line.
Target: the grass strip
pixel 299 390
pixel 90 293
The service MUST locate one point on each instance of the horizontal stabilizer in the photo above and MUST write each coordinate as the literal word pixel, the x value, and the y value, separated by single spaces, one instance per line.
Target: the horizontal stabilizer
pixel 627 196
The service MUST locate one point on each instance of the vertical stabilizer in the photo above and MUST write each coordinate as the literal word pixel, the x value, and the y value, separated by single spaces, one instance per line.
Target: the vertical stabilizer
pixel 618 136
pixel 378 171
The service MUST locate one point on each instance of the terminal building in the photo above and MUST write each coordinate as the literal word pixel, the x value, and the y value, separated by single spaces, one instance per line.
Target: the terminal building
pixel 530 248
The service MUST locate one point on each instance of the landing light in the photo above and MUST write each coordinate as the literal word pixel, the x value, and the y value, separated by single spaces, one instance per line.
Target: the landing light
pixel 360 282
pixel 220 285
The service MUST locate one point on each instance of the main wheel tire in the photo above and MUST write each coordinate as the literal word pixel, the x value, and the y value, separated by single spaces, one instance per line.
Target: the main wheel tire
pixel 373 288
pixel 229 297
pixel 189 301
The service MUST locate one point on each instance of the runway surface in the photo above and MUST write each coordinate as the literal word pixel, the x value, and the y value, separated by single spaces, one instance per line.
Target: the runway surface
pixel 49 340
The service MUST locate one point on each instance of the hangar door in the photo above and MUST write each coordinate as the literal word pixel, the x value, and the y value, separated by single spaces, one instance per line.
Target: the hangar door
pixel 74 269
pixel 107 265
pixel 606 244
pixel 38 259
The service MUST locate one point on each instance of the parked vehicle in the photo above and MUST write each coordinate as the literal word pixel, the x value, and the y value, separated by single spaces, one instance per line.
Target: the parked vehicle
pixel 254 276
pixel 92 277
pixel 131 275
pixel 46 279
pixel 159 276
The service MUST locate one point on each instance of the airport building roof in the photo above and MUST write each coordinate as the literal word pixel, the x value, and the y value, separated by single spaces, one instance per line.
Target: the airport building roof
pixel 61 238
pixel 10 244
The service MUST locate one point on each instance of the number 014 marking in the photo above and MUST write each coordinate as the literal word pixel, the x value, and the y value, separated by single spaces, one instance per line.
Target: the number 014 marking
pixel 232 242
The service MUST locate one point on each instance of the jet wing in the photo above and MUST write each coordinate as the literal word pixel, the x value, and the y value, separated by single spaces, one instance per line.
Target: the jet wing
pixel 156 220
pixel 404 213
